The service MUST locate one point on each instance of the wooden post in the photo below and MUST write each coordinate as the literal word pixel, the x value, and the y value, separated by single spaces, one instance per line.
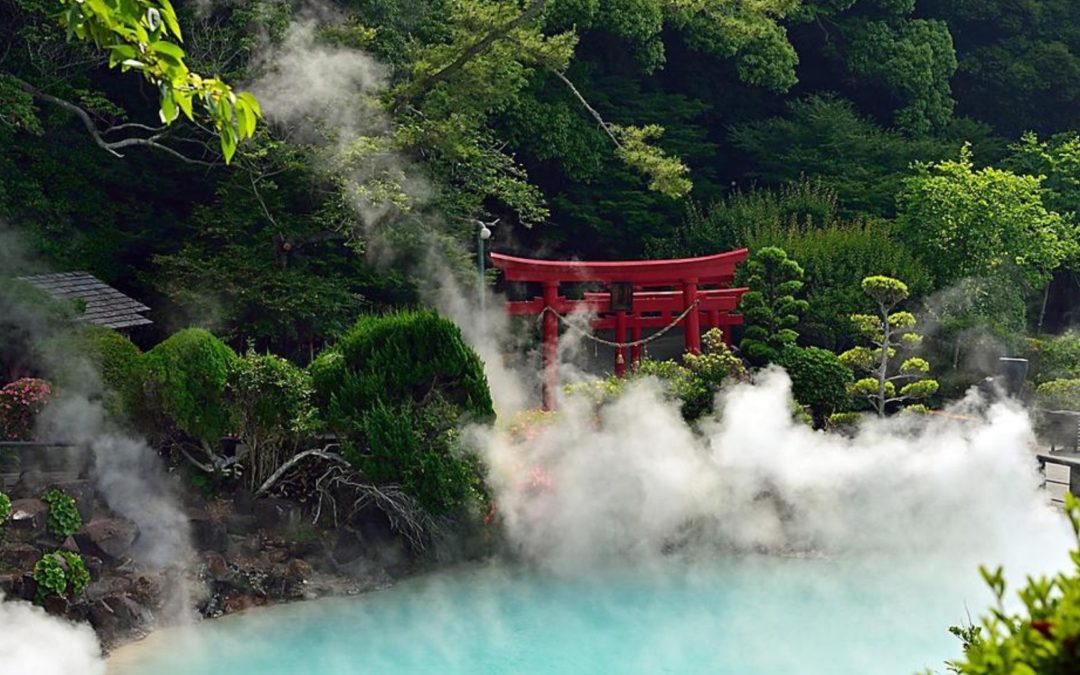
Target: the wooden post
pixel 635 351
pixel 551 346
pixel 692 322
pixel 620 337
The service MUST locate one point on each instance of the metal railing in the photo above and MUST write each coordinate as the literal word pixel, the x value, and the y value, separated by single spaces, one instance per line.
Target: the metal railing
pixel 1061 474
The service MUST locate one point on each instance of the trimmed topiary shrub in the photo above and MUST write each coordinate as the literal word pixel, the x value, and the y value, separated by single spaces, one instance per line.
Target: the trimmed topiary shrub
pixel 111 355
pixel 770 307
pixel 61 573
pixel 818 380
pixel 270 409
pixel 20 403
pixel 182 384
pixel 396 388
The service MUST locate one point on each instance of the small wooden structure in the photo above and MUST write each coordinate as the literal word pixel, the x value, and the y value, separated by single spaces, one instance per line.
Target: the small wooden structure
pixel 641 294
pixel 104 305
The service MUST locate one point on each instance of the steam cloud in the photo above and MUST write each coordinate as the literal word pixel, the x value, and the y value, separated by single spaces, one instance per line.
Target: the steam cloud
pixel 34 643
pixel 637 483
pixel 325 96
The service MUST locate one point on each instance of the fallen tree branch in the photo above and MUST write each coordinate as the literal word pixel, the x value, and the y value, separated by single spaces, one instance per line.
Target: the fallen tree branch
pixel 321 453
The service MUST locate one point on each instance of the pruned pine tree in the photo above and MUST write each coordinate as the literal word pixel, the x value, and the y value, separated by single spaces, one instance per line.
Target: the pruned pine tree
pixel 887 332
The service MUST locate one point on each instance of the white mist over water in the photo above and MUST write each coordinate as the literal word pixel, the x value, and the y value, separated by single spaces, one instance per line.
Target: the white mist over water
pixel 634 482
pixel 34 643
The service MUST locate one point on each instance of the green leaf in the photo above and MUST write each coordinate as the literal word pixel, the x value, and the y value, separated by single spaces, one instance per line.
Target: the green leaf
pixel 166 48
pixel 183 99
pixel 169 15
pixel 245 119
pixel 168 106
pixel 251 102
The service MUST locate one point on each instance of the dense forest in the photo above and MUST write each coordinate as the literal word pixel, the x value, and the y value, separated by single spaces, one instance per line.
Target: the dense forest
pixel 932 141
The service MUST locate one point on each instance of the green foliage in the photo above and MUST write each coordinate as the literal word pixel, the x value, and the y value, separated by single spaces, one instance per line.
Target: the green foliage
pixel 109 354
pixel 825 138
pixel 770 308
pixel 914 59
pixel 740 219
pixel 143 35
pixel 1042 637
pixel 836 257
pixel 979 223
pixel 887 331
pixel 1018 62
pixel 1054 357
pixel 1063 394
pixel 5 508
pixel 803 219
pixel 819 379
pixel 182 385
pixel 667 175
pixel 61 573
pixel 270 409
pixel 693 383
pixel 64 518
pixel 1057 161
pixel 396 387
pixel 843 421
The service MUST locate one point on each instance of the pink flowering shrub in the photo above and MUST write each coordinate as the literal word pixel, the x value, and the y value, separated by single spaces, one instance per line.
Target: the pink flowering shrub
pixel 20 402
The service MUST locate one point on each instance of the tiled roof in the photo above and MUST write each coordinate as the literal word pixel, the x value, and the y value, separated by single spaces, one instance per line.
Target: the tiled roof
pixel 105 306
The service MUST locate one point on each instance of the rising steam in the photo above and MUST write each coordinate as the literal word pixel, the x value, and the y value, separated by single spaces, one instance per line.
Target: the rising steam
pixel 34 643
pixel 634 483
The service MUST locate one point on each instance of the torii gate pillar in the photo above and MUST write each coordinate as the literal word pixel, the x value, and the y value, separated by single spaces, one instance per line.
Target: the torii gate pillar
pixel 551 345
pixel 692 332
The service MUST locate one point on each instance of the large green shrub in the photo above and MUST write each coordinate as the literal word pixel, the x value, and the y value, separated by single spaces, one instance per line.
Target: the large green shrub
pixel 819 380
pixel 182 384
pixel 270 409
pixel 396 387
pixel 110 354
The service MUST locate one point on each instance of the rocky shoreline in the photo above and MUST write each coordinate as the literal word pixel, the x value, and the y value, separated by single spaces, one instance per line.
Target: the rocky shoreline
pixel 246 552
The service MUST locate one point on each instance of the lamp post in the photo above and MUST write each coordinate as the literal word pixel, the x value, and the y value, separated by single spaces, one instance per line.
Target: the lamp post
pixel 483 233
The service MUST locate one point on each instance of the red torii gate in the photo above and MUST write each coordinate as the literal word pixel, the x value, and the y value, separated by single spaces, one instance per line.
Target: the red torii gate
pixel 641 294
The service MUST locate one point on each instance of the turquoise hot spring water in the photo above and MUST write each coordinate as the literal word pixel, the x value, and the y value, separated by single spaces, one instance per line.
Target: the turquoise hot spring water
pixel 731 615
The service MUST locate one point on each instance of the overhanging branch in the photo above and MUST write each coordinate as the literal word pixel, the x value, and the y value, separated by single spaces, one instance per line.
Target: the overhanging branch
pixel 471 52
pixel 113 147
